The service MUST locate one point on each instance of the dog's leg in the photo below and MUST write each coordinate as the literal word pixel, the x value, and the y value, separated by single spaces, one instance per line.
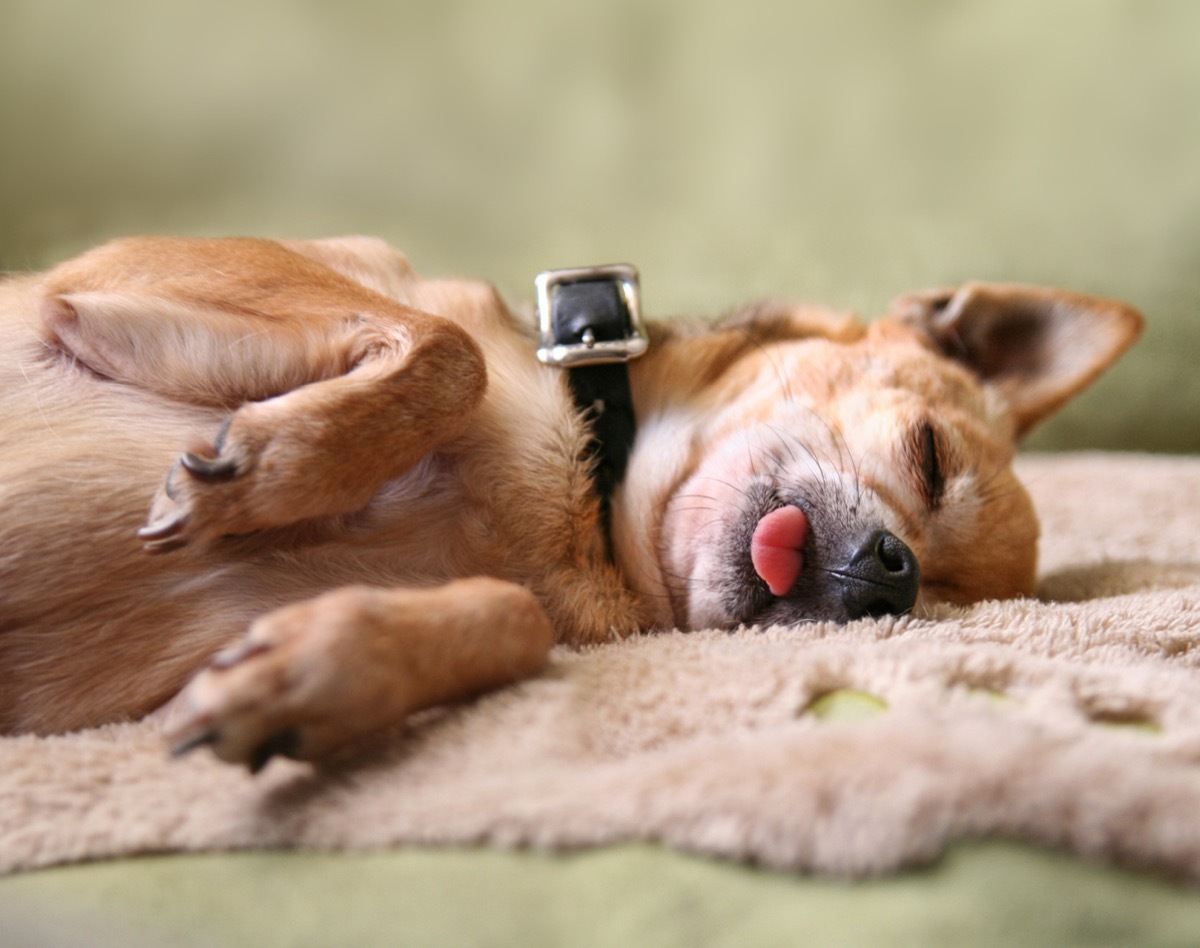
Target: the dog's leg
pixel 325 448
pixel 340 387
pixel 312 677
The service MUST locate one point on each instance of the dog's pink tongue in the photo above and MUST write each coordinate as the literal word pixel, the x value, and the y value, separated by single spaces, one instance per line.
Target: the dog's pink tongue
pixel 777 548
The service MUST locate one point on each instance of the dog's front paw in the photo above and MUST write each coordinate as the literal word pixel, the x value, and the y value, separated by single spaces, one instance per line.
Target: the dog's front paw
pixel 274 463
pixel 187 506
pixel 238 706
pixel 300 684
pixel 259 472
pixel 208 492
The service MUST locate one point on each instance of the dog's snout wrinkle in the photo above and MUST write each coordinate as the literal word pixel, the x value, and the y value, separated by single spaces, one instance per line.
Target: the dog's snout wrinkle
pixel 882 577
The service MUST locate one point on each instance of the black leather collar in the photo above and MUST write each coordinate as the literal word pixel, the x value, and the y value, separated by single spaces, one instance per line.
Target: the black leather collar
pixel 591 327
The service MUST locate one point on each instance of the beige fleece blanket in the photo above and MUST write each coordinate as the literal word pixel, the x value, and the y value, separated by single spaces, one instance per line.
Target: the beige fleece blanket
pixel 1073 722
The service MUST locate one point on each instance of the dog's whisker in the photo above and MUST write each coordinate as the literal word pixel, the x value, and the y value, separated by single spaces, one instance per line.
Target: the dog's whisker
pixel 733 487
pixel 785 382
pixel 696 497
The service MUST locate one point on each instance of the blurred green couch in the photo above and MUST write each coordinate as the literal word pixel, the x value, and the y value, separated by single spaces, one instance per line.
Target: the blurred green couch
pixel 839 152
pixel 843 152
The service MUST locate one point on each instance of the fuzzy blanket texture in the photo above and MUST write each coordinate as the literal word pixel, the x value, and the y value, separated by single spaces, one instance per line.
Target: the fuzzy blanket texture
pixel 1071 721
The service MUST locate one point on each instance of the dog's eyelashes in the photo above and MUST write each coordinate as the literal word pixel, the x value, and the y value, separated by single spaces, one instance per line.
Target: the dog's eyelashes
pixel 929 462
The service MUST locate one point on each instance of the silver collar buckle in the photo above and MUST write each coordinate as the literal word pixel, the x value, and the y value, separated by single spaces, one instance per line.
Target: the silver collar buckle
pixel 570 336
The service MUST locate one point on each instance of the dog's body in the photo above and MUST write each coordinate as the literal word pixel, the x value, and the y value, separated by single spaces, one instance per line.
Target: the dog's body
pixel 358 443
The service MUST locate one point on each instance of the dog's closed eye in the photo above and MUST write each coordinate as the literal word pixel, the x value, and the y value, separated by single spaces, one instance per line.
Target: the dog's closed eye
pixel 926 454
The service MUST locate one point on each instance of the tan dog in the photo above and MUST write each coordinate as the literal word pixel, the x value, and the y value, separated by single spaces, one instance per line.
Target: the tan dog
pixel 358 442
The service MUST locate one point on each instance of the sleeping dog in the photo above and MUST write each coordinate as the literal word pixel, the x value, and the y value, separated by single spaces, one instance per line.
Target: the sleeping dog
pixel 294 492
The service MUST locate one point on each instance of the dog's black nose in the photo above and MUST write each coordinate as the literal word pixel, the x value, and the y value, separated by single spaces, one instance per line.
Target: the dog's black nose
pixel 882 577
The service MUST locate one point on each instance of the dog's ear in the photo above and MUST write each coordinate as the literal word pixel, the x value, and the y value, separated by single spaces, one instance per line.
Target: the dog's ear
pixel 1037 347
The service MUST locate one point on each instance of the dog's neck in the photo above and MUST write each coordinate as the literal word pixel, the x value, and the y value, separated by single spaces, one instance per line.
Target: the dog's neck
pixel 604 398
pixel 591 327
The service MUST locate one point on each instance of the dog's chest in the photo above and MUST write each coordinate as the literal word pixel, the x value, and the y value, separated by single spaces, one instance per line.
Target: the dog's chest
pixel 512 497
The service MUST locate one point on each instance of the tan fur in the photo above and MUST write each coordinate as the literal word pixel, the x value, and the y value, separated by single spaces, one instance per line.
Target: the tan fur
pixel 358 440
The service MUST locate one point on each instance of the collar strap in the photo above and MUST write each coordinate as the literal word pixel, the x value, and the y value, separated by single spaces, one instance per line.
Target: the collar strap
pixel 591 326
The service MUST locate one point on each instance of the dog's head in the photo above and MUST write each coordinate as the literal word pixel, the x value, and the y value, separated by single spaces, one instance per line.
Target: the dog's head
pixel 794 465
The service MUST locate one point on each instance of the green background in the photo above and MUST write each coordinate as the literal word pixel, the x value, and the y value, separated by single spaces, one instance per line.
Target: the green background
pixel 994 895
pixel 841 152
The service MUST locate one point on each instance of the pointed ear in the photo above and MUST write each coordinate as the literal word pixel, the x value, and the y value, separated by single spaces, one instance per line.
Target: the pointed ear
pixel 1037 347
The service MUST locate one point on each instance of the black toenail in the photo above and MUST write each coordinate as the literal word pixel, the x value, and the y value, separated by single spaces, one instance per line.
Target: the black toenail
pixel 208 469
pixel 189 744
pixel 285 743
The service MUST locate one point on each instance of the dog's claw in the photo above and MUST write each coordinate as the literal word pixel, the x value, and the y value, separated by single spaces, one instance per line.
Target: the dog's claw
pixel 188 744
pixel 168 532
pixel 163 535
pixel 285 743
pixel 238 653
pixel 208 469
pixel 164 546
